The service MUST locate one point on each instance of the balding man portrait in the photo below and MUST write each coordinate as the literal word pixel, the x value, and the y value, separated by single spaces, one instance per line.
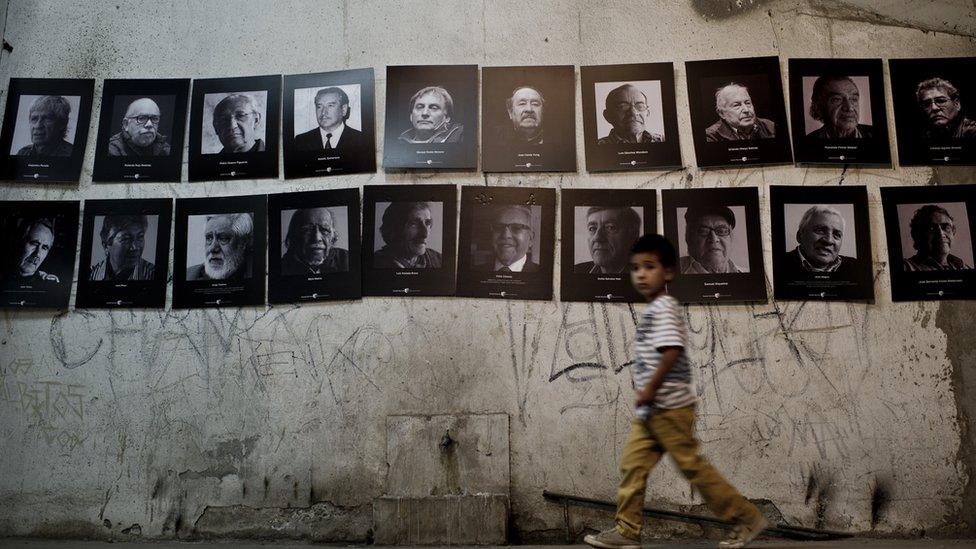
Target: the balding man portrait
pixel 310 244
pixel 228 241
pixel 48 121
pixel 626 110
pixel 944 119
pixel 737 118
pixel 140 132
pixel 236 121
pixel 511 236
pixel 332 133
pixel 431 118
pixel 834 102
pixel 525 112
pixel 610 233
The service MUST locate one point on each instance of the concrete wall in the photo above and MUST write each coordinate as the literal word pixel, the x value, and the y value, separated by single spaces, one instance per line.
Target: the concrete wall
pixel 273 421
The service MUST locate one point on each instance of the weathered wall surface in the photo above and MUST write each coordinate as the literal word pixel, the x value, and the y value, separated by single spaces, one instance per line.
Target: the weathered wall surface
pixel 273 421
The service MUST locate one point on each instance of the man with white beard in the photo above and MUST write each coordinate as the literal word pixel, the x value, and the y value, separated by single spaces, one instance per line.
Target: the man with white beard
pixel 228 241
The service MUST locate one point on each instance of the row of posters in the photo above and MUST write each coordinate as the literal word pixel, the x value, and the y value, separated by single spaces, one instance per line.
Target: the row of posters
pixel 312 249
pixel 527 119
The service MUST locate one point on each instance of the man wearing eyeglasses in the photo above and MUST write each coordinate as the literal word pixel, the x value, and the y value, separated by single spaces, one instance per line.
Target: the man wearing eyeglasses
pixel 610 233
pixel 939 101
pixel 511 236
pixel 310 244
pixel 708 234
pixel 933 231
pixel 819 238
pixel 405 230
pixel 236 121
pixel 228 241
pixel 626 110
pixel 123 239
pixel 140 132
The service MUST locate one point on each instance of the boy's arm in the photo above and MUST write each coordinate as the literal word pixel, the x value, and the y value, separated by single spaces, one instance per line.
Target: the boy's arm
pixel 669 357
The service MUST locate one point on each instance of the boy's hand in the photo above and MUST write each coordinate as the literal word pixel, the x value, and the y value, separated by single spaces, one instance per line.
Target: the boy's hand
pixel 645 398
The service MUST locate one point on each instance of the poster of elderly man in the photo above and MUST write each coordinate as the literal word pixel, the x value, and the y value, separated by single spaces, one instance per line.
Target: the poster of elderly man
pixel 629 117
pixel 219 251
pixel 328 126
pixel 716 232
pixel 598 230
pixel 45 129
pixel 409 239
pixel 124 259
pixel 234 128
pixel 821 249
pixel 528 119
pixel 431 117
pixel 738 116
pixel 140 131
pixel 313 246
pixel 935 110
pixel 38 241
pixel 930 241
pixel 507 242
pixel 837 107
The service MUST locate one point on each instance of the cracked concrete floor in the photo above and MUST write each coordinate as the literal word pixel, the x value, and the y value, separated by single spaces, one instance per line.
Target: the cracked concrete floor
pixel 859 543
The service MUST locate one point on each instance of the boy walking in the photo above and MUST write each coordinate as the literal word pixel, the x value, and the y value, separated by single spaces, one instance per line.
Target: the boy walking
pixel 665 411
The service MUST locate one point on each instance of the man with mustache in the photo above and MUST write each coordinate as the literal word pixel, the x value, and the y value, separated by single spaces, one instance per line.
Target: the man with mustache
pixel 737 117
pixel 228 242
pixel 525 109
pixel 310 244
pixel 431 110
pixel 405 229
pixel 32 241
pixel 819 238
pixel 140 132
pixel 236 120
pixel 708 234
pixel 511 240
pixel 939 101
pixel 933 230
pixel 611 231
pixel 123 239
pixel 332 134
pixel 835 101
pixel 626 109
pixel 48 119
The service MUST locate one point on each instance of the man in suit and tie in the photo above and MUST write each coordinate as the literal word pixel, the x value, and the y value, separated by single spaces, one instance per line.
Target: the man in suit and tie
pixel 331 112
pixel 511 240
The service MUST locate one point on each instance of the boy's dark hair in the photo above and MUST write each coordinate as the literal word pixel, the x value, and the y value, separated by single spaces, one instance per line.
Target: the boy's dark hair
pixel 657 244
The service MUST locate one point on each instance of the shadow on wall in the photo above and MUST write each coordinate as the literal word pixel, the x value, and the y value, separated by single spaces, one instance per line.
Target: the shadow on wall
pixel 723 9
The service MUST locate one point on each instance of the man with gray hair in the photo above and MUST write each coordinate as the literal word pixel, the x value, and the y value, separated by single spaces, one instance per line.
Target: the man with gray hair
pixel 737 118
pixel 939 101
pixel 835 102
pixel 511 234
pixel 123 239
pixel 626 110
pixel 236 121
pixel 431 111
pixel 48 119
pixel 819 238
pixel 140 132
pixel 610 233
pixel 310 244
pixel 26 249
pixel 525 108
pixel 228 243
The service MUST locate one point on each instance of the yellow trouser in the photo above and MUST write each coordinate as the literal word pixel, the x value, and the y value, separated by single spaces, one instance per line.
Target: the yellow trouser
pixel 671 431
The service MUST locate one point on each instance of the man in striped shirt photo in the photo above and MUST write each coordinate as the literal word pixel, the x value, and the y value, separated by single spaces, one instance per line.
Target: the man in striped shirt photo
pixel 665 411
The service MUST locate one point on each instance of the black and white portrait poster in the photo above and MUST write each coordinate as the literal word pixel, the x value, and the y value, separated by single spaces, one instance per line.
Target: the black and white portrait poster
pixel 629 117
pixel 935 110
pixel 821 243
pixel 717 235
pixel 598 230
pixel 124 259
pixel 39 239
pixel 838 111
pixel 234 128
pixel 328 125
pixel 409 239
pixel 219 251
pixel 140 131
pixel 738 116
pixel 507 242
pixel 930 241
pixel 528 117
pixel 431 117
pixel 45 129
pixel 313 246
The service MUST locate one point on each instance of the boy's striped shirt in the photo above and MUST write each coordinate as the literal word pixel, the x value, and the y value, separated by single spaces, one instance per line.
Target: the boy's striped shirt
pixel 663 326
